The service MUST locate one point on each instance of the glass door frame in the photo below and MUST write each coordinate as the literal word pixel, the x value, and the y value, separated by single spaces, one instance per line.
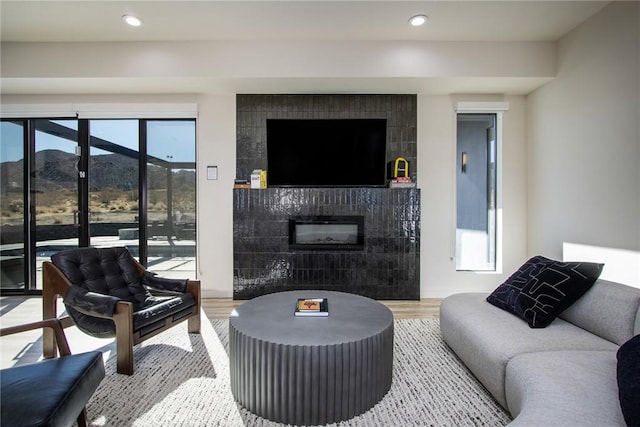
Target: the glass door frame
pixel 84 238
pixel 30 209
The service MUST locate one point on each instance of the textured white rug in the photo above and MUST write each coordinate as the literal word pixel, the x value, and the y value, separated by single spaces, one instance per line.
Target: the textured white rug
pixel 182 379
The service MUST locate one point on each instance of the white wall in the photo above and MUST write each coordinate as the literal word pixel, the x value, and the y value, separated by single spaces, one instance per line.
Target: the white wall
pixel 436 178
pixel 277 59
pixel 583 133
pixel 216 147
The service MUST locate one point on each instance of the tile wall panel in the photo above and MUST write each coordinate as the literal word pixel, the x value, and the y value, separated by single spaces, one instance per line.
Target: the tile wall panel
pixel 387 268
pixel 254 110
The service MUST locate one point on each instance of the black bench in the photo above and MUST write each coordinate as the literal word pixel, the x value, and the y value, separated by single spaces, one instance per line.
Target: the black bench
pixel 51 392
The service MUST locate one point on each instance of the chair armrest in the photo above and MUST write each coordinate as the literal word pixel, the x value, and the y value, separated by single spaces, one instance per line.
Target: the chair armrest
pixel 55 324
pixel 164 284
pixel 193 287
pixel 91 303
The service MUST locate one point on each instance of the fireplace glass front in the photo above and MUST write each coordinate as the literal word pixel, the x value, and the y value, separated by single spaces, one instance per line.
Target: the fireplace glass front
pixel 326 232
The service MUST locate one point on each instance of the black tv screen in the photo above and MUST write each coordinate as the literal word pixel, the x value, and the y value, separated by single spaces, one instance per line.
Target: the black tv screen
pixel 326 152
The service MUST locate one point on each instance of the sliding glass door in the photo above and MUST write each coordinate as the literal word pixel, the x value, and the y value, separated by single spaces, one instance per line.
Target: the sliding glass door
pixel 171 197
pixel 54 189
pixel 12 206
pixel 68 183
pixel 114 170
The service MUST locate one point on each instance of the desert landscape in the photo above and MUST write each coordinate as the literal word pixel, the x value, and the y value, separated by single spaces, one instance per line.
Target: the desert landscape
pixel 113 190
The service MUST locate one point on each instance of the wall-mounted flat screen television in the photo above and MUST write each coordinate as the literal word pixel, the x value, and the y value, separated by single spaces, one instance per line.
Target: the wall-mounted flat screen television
pixel 326 152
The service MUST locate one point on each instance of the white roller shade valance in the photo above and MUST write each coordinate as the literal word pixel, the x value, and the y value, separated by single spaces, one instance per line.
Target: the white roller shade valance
pixel 481 107
pixel 101 111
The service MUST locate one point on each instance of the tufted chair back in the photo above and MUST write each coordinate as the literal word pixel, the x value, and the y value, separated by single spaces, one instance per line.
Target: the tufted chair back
pixel 106 271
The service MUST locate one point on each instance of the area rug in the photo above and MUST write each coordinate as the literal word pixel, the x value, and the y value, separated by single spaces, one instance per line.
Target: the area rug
pixel 182 379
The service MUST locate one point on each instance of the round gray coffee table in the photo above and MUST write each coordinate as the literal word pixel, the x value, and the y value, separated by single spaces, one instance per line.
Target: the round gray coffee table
pixel 310 370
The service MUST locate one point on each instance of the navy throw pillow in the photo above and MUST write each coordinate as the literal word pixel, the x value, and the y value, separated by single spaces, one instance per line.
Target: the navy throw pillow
pixel 542 288
pixel 629 380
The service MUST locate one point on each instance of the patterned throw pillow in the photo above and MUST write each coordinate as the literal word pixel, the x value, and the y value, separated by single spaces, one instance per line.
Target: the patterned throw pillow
pixel 542 288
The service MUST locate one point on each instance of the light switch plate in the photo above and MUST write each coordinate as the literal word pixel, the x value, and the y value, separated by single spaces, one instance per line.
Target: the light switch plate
pixel 212 172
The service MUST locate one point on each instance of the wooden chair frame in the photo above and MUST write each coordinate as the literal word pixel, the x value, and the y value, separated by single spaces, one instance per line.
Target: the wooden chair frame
pixel 55 328
pixel 56 283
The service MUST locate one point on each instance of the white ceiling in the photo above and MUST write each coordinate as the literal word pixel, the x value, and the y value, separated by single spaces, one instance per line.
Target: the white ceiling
pixel 294 20
pixel 49 21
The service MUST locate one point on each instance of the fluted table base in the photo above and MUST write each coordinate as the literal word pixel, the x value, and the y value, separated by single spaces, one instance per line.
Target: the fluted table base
pixel 309 371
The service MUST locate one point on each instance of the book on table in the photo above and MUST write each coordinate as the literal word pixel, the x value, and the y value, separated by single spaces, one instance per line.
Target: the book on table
pixel 312 307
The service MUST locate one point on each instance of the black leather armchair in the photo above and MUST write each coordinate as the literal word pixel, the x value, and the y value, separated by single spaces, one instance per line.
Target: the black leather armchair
pixel 107 293
pixel 51 392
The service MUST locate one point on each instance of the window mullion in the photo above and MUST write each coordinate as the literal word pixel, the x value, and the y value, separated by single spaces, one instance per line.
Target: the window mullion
pixel 142 191
pixel 83 183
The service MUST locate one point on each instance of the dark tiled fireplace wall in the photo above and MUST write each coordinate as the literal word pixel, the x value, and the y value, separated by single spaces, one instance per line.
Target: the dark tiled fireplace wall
pixel 387 267
pixel 254 110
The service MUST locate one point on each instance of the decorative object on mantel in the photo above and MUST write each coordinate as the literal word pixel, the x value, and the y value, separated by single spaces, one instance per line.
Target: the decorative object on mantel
pixel 401 182
pixel 399 168
pixel 398 173
pixel 258 179
pixel 241 183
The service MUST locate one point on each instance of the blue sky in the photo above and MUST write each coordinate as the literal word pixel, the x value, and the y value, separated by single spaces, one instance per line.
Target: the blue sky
pixel 166 139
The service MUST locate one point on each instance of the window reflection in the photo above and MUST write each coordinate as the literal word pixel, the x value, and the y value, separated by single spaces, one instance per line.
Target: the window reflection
pixel 113 183
pixel 12 206
pixel 55 189
pixel 171 197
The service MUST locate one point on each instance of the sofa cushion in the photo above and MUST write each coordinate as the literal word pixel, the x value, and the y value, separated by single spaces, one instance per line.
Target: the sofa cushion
pixel 543 288
pixel 563 388
pixel 628 374
pixel 145 320
pixel 486 338
pixel 154 317
pixel 608 310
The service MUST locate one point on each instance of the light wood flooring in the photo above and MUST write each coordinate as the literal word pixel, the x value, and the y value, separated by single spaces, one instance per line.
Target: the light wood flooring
pixel 15 310
pixel 219 308
pixel 19 309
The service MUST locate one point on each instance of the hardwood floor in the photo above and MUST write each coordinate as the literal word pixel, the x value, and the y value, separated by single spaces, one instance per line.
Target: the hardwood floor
pixel 426 308
pixel 18 309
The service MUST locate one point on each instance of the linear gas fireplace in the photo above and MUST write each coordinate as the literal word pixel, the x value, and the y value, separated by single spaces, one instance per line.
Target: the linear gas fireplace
pixel 306 239
pixel 326 232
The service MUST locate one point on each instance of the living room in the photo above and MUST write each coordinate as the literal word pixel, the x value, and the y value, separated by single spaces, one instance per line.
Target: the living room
pixel 571 134
pixel 551 147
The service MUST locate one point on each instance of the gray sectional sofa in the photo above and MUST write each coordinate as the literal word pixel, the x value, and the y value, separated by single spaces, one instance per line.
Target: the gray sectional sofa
pixel 560 375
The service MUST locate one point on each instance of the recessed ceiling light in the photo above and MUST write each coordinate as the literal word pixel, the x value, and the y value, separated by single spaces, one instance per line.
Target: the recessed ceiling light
pixel 134 21
pixel 418 20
